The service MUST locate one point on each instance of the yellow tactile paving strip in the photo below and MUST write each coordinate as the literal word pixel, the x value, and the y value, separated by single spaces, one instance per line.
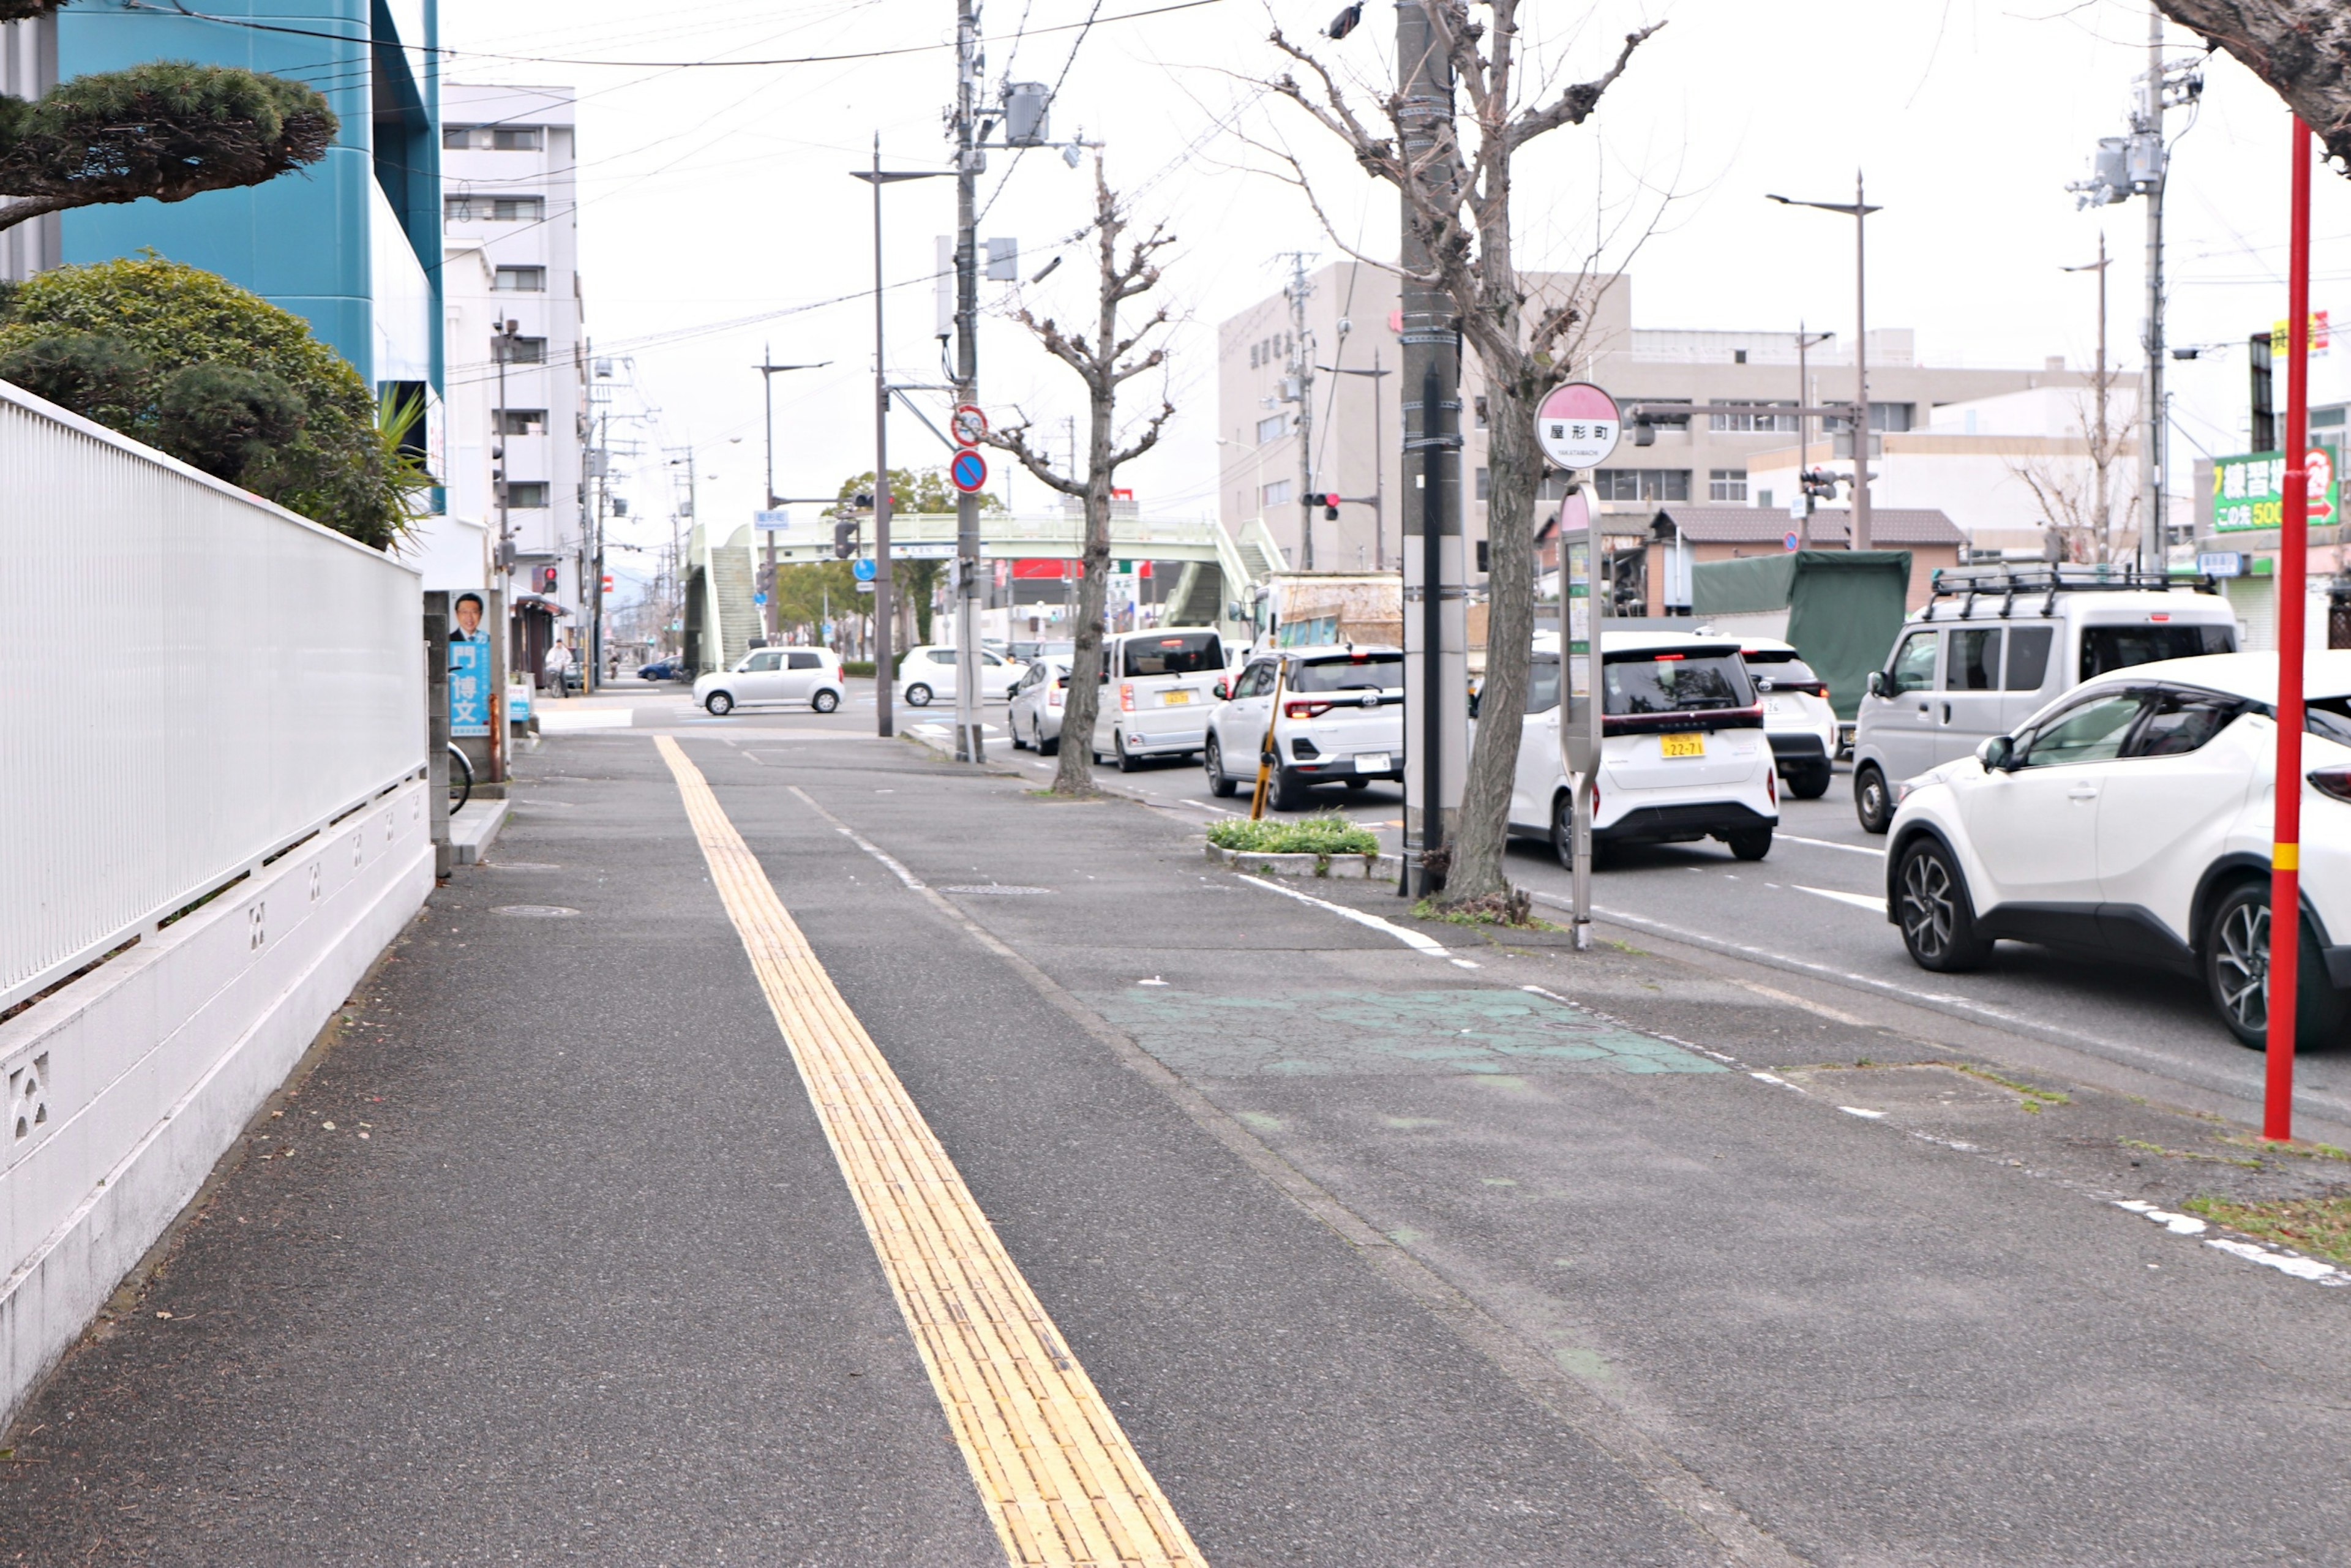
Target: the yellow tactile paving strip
pixel 1057 1474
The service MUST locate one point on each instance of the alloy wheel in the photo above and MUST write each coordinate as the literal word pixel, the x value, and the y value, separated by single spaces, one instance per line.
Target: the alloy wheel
pixel 1928 911
pixel 2241 964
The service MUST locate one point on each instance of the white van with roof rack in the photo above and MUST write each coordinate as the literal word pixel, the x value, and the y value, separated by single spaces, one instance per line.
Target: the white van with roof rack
pixel 1993 647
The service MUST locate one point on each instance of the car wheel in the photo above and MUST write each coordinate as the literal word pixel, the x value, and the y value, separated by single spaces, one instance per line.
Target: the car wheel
pixel 1811 783
pixel 1290 792
pixel 2237 972
pixel 1213 760
pixel 719 704
pixel 1872 802
pixel 825 702
pixel 1354 783
pixel 1127 761
pixel 1049 748
pixel 1017 744
pixel 1749 844
pixel 1562 827
pixel 1938 919
pixel 918 695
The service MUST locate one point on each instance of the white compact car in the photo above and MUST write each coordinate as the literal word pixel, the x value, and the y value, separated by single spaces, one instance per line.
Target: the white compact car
pixel 1158 689
pixel 1035 718
pixel 1798 721
pixel 1683 751
pixel 1992 647
pixel 928 675
pixel 2130 820
pixel 810 675
pixel 1341 721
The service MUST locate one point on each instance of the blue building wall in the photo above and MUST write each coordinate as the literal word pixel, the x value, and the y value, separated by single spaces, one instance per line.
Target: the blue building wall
pixel 304 240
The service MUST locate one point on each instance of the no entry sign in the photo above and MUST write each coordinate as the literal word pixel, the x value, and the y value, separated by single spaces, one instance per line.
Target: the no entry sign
pixel 1576 425
pixel 968 472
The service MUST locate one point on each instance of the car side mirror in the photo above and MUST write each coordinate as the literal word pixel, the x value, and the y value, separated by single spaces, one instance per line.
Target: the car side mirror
pixel 1878 683
pixel 1224 691
pixel 1997 754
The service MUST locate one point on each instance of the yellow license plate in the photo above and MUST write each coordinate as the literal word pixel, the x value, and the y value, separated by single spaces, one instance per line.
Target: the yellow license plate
pixel 1174 699
pixel 1690 745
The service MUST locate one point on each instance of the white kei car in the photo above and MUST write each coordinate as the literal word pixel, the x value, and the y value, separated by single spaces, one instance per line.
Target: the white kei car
pixel 928 675
pixel 2130 820
pixel 1341 721
pixel 810 675
pixel 1797 718
pixel 1035 718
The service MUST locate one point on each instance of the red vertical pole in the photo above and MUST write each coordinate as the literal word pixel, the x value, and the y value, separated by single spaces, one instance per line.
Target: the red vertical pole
pixel 2293 540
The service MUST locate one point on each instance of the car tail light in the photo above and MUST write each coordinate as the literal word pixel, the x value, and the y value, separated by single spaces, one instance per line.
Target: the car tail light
pixel 1772 786
pixel 1306 710
pixel 1126 697
pixel 2334 782
pixel 1053 697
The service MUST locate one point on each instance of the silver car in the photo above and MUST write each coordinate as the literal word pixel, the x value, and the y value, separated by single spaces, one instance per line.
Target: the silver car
pixel 1037 703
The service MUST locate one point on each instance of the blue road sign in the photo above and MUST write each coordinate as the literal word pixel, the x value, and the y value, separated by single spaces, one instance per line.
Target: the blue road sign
pixel 968 471
pixel 863 569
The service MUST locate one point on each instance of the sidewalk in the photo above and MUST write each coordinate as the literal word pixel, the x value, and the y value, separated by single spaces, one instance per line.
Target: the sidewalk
pixel 1375 1256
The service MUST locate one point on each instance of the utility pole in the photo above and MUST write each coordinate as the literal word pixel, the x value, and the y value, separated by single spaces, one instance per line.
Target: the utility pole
pixel 1299 387
pixel 1436 677
pixel 502 350
pixel 769 370
pixel 2100 515
pixel 1858 209
pixel 1804 341
pixel 971 66
pixel 2147 127
pixel 1379 465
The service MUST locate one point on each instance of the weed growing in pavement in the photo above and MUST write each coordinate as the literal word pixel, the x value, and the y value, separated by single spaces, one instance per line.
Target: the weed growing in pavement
pixel 2288 1146
pixel 2318 1225
pixel 2033 1099
pixel 1325 834
pixel 1514 908
pixel 2145 1147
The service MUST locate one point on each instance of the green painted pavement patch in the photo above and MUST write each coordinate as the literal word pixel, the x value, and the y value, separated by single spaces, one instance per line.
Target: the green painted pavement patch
pixel 1423 1033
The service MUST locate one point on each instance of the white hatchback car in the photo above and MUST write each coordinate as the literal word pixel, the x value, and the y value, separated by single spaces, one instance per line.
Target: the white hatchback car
pixel 1341 721
pixel 810 675
pixel 2130 820
pixel 1798 721
pixel 1158 687
pixel 1035 718
pixel 1683 752
pixel 928 675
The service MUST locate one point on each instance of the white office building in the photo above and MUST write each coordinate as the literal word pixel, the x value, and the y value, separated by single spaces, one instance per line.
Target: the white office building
pixel 517 400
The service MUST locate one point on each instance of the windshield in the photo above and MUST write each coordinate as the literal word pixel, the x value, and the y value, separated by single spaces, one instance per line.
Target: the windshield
pixel 1676 683
pixel 1361 672
pixel 1176 654
pixel 1542 684
pixel 2107 648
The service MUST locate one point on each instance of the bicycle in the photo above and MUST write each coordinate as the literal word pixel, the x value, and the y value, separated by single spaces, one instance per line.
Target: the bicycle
pixel 461 778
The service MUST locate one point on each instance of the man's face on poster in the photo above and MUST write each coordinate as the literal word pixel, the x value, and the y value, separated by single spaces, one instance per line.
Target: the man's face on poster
pixel 469 615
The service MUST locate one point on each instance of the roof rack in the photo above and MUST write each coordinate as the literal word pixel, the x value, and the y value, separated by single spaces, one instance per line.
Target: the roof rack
pixel 2005 583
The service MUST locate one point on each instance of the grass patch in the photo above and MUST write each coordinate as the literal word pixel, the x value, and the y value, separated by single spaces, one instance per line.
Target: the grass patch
pixel 2318 1225
pixel 1513 909
pixel 2145 1148
pixel 1328 834
pixel 2035 1099
pixel 2292 1146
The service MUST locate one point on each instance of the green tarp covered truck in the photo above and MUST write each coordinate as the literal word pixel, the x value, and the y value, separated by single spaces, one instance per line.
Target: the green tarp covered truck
pixel 1841 609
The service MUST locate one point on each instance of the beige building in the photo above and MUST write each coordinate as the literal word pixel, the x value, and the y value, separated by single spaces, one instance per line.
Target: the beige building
pixel 1357 432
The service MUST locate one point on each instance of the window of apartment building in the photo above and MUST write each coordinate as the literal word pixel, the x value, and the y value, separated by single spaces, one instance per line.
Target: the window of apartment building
pixel 494 138
pixel 1883 417
pixel 523 351
pixel 1485 486
pixel 527 494
pixel 1641 483
pixel 525 421
pixel 494 209
pixel 1763 499
pixel 1272 427
pixel 521 279
pixel 1274 495
pixel 1758 422
pixel 1726 485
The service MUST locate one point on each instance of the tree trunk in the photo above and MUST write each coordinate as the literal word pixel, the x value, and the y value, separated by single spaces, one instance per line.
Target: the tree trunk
pixel 1075 776
pixel 2301 48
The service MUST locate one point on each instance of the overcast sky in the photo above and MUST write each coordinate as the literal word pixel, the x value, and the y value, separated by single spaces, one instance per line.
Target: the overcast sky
pixel 716 195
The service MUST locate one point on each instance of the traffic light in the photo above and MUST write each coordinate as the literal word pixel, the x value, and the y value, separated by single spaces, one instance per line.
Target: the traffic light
pixel 1331 506
pixel 1819 483
pixel 764 580
pixel 548 577
pixel 844 538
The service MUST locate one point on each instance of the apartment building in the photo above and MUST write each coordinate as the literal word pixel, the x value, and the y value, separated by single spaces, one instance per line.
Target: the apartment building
pixel 518 402
pixel 1349 339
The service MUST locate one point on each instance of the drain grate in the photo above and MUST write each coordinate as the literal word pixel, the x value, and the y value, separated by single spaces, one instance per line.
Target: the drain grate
pixel 997 890
pixel 534 911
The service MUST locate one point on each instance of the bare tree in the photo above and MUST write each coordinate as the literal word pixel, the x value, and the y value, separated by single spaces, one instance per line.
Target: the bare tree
pixel 1105 360
pixel 2076 497
pixel 1456 202
pixel 2299 47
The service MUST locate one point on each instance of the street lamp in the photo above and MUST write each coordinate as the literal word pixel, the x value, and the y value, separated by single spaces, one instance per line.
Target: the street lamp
pixel 877 176
pixel 1858 210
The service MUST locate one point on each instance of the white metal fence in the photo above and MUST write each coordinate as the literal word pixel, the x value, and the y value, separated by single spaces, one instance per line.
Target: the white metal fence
pixel 193 679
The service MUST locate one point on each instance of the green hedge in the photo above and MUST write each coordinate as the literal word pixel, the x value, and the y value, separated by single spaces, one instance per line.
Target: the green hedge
pixel 857 667
pixel 1329 834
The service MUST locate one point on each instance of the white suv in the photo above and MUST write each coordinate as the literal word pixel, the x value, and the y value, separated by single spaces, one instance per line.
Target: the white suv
pixel 1341 721
pixel 1797 718
pixel 1683 754
pixel 2130 820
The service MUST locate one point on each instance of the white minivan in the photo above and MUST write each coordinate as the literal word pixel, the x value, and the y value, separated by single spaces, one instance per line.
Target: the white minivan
pixel 1989 650
pixel 1158 689
pixel 1683 753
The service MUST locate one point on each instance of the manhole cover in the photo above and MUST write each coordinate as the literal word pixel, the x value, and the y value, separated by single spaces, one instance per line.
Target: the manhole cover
pixel 534 911
pixel 998 890
pixel 518 865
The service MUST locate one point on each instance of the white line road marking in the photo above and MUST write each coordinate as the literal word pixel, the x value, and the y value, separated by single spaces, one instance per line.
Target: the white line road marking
pixel 1811 1006
pixel 2309 1269
pixel 1858 900
pixel 1830 844
pixel 1412 940
pixel 1864 1115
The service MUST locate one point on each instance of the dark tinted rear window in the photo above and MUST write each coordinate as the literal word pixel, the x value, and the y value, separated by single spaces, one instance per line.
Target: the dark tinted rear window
pixel 1176 654
pixel 2107 648
pixel 1665 684
pixel 2328 716
pixel 1372 672
pixel 2028 656
pixel 1778 668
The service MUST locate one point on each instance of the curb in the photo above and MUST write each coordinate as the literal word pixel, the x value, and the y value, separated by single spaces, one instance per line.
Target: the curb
pixel 1359 868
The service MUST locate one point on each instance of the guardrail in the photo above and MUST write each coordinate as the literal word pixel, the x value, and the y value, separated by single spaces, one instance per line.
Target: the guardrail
pixel 198 680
